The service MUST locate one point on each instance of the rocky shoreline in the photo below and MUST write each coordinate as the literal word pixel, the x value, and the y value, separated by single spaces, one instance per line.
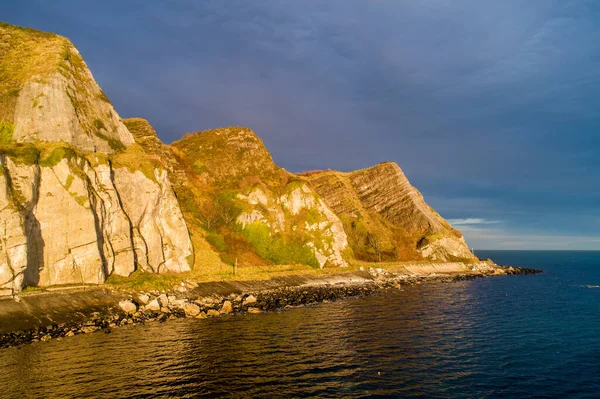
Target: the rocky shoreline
pixel 192 300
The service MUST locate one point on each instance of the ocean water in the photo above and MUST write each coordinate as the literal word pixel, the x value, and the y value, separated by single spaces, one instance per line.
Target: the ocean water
pixel 506 337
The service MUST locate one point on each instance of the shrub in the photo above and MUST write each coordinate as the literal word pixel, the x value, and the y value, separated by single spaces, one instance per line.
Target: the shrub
pixel 288 250
pixel 57 155
pixel 99 124
pixel 258 235
pixel 217 241
pixel 21 153
pixel 280 249
pixel 6 132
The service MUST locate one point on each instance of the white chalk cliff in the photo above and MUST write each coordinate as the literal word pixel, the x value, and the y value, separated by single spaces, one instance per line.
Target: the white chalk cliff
pixel 69 212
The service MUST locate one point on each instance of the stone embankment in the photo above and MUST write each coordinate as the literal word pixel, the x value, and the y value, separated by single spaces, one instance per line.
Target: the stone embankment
pixel 49 316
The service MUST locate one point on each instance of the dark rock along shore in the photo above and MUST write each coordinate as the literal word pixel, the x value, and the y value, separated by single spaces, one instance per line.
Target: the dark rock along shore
pixel 191 301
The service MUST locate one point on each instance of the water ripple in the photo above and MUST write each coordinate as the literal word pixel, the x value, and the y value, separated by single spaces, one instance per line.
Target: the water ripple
pixel 531 336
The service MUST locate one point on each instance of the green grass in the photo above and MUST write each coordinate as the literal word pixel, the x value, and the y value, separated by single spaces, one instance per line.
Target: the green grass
pixel 229 155
pixel 98 124
pixel 134 158
pixel 217 241
pixel 140 280
pixel 103 97
pixel 115 144
pixel 24 53
pixel 21 153
pixel 280 249
pixel 6 132
pixel 52 157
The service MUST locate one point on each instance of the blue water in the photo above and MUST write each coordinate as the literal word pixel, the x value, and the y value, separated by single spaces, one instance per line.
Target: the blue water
pixel 506 337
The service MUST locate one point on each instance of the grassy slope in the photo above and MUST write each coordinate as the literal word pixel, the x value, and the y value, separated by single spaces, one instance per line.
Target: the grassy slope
pixel 25 53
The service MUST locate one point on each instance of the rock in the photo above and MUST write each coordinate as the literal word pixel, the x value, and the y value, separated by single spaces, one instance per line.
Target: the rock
pixel 180 288
pixel 191 310
pixel 165 309
pixel 201 315
pixel 162 238
pixel 383 190
pixel 89 329
pixel 46 338
pixel 226 308
pixel 254 310
pixel 191 284
pixel 178 303
pixel 163 300
pixel 143 299
pixel 250 299
pixel 128 306
pixel 72 215
pixel 153 306
pixel 212 313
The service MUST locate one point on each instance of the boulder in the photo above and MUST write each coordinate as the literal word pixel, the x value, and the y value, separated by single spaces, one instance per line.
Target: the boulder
pixel 153 306
pixel 143 299
pixel 226 308
pixel 191 309
pixel 250 299
pixel 212 313
pixel 254 310
pixel 163 300
pixel 128 306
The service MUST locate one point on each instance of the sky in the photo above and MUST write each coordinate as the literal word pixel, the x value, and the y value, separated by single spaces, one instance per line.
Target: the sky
pixel 490 107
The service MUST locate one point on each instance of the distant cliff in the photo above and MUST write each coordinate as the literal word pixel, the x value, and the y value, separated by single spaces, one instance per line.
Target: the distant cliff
pixel 386 217
pixel 85 195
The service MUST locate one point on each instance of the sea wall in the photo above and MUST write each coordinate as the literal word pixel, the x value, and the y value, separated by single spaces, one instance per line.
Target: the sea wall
pixel 55 315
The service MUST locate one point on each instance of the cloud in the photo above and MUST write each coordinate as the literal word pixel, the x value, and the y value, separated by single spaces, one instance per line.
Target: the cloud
pixel 471 221
pixel 490 107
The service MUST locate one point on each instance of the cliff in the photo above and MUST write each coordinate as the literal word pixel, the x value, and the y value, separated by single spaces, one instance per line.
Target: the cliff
pixel 250 199
pixel 85 195
pixel 385 216
pixel 79 199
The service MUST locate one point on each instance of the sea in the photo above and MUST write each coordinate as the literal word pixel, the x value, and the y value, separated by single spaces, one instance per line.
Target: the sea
pixel 533 336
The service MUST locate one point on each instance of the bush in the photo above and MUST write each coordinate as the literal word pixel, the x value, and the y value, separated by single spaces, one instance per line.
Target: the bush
pixel 99 124
pixel 258 234
pixel 217 241
pixel 285 251
pixel 6 132
pixel 21 153
pixel 56 155
pixel 280 250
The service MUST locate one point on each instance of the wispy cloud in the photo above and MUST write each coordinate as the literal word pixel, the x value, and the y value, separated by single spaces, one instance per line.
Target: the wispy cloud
pixel 472 221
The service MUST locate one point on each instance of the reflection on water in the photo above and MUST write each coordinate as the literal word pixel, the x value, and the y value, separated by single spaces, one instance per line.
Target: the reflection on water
pixel 495 337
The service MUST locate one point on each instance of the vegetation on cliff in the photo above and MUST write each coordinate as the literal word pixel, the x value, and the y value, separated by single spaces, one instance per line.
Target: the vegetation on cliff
pixel 64 149
pixel 243 201
pixel 385 217
pixel 24 53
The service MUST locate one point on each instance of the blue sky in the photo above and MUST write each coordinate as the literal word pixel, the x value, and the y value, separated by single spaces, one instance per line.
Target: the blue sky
pixel 490 107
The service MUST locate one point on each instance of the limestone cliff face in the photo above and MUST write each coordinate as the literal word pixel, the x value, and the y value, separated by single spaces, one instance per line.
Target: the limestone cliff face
pixel 383 195
pixel 236 163
pixel 79 199
pixel 298 210
pixel 53 96
pixel 79 222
